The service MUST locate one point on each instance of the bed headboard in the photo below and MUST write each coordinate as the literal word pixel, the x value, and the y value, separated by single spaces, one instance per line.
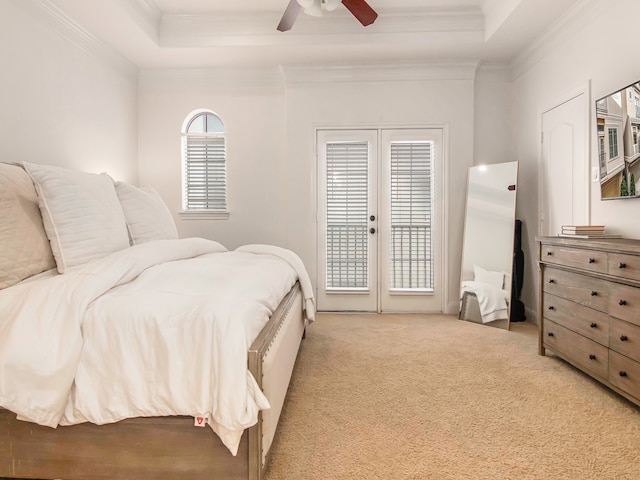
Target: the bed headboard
pixel 24 247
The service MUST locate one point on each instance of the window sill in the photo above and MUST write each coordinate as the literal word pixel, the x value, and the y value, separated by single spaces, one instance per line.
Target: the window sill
pixel 203 215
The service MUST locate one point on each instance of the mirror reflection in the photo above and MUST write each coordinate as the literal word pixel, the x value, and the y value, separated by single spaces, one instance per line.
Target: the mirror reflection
pixel 487 254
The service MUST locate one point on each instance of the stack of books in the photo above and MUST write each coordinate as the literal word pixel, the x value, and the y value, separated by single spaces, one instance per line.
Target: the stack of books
pixel 586 231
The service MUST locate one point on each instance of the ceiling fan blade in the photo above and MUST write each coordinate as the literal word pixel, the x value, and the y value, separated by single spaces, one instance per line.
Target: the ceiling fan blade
pixel 361 10
pixel 289 16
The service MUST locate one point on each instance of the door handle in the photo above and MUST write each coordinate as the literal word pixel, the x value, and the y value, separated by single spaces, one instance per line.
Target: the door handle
pixel 372 230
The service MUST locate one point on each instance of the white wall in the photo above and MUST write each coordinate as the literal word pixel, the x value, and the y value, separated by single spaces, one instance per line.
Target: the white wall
pixel 61 104
pixel 599 48
pixel 251 104
pixel 271 145
pixel 390 103
pixel 493 125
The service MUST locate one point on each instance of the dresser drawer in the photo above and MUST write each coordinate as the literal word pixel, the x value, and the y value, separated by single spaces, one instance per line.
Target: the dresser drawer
pixel 624 303
pixel 588 291
pixel 584 353
pixel 624 266
pixel 590 260
pixel 583 320
pixel 624 338
pixel 624 373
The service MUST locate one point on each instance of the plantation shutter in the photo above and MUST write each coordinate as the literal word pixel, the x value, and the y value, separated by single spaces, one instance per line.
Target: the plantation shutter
pixel 347 215
pixel 205 173
pixel 411 256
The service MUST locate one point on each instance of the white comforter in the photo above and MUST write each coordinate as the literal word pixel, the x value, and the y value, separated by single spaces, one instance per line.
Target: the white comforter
pixel 161 328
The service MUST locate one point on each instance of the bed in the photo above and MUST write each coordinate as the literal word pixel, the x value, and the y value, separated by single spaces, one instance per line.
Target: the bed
pixel 126 352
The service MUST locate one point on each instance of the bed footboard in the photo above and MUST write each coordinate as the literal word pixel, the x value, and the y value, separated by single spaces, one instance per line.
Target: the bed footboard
pixel 271 360
pixel 277 368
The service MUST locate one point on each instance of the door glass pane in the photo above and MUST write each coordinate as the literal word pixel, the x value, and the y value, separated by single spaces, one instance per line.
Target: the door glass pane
pixel 347 216
pixel 411 255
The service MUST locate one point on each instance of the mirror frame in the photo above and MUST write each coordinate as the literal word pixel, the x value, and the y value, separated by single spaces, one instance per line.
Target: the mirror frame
pixel 499 323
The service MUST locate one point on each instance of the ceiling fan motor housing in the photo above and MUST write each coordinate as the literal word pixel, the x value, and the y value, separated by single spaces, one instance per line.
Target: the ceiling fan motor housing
pixel 358 8
pixel 315 7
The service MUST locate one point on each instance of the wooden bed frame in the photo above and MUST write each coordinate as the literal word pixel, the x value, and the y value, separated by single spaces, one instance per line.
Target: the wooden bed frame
pixel 162 448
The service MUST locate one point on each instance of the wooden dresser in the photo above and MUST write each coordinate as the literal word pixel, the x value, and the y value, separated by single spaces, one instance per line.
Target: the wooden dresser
pixel 590 308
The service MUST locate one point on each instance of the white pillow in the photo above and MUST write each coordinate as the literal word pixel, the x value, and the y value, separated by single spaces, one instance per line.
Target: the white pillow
pixel 24 246
pixel 495 279
pixel 148 217
pixel 81 214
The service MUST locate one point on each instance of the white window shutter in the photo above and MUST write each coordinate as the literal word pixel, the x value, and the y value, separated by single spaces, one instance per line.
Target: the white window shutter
pixel 347 215
pixel 411 262
pixel 205 173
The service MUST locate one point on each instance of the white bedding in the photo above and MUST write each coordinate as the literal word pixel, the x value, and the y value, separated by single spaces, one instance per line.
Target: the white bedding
pixel 160 328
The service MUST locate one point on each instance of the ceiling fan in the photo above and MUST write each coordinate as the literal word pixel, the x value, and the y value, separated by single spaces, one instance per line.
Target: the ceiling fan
pixel 359 9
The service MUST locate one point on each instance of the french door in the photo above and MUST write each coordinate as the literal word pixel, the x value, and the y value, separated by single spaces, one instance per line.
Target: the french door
pixel 379 220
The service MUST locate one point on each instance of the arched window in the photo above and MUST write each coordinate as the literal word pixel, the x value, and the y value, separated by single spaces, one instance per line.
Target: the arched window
pixel 204 164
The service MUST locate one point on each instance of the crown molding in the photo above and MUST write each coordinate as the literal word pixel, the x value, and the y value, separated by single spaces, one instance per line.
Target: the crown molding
pixel 146 14
pixel 300 75
pixel 56 19
pixel 277 77
pixel 565 27
pixel 232 29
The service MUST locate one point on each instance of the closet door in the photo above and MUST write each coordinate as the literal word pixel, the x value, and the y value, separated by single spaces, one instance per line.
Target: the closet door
pixel 564 176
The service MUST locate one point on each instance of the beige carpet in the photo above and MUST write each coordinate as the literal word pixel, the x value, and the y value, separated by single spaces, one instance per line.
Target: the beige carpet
pixel 434 397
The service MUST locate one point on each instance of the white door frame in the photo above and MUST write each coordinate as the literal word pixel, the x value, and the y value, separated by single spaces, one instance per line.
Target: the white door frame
pixel 449 302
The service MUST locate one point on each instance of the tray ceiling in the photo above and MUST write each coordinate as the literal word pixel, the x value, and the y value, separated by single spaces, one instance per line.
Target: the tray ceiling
pixel 242 33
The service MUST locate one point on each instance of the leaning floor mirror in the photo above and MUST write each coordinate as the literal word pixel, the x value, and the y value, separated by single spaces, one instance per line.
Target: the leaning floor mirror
pixel 487 252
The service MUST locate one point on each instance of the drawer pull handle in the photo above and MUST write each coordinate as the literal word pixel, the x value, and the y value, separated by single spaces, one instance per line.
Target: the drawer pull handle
pixel 550 334
pixel 592 357
pixel 594 293
pixel 549 253
pixel 622 302
pixel 592 260
pixel 551 280
pixel 623 373
pixel 622 265
pixel 593 325
pixel 551 307
pixel 623 338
